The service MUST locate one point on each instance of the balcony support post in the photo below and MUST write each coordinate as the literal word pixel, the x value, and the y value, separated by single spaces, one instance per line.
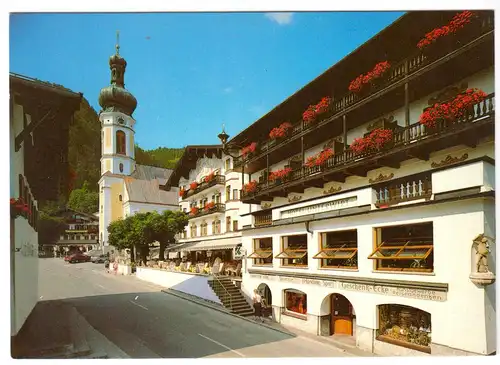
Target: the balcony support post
pixel 344 131
pixel 407 104
pixel 267 171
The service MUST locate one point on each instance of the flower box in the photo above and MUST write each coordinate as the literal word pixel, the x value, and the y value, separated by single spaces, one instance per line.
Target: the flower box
pixel 312 112
pixel 209 206
pixel 450 111
pixel 250 187
pixel 280 174
pixel 459 21
pixel 193 185
pixel 281 131
pixel 209 177
pixel 320 158
pixel 194 211
pixel 19 208
pixel 375 141
pixel 248 150
pixel 360 82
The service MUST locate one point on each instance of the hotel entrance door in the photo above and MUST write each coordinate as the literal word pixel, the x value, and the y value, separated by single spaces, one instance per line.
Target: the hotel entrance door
pixel 341 315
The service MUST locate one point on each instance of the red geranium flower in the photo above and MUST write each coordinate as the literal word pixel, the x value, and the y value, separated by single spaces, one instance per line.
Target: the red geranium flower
pixel 458 22
pixel 249 149
pixel 193 185
pixel 250 186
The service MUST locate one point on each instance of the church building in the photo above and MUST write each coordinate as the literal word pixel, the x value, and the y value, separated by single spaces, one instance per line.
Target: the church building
pixel 125 187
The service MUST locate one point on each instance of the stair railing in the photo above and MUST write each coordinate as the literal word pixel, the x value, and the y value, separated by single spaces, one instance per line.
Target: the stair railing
pixel 218 283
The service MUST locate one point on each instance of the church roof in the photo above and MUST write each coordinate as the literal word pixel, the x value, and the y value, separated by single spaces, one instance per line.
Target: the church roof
pixel 144 172
pixel 148 191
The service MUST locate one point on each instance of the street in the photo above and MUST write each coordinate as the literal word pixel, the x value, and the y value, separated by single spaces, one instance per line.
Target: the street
pixel 140 321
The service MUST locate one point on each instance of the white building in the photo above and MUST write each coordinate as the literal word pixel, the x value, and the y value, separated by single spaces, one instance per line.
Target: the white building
pixel 210 193
pixel 382 244
pixel 40 113
pixel 125 187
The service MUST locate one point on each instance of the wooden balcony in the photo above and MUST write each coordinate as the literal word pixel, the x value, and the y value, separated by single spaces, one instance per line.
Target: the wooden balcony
pixel 217 208
pixel 411 68
pixel 406 189
pixel 413 141
pixel 216 180
pixel 262 220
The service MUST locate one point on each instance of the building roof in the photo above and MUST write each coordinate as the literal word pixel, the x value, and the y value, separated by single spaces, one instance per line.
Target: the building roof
pixel 43 85
pixel 144 172
pixel 392 43
pixel 148 191
pixel 188 160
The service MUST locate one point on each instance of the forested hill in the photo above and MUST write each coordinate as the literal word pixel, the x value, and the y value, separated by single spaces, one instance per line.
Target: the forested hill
pixel 85 149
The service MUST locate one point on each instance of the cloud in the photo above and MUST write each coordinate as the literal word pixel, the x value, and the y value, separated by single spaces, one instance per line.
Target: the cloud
pixel 228 90
pixel 280 18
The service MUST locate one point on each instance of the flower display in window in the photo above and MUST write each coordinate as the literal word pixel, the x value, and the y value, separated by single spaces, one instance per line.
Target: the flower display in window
pixel 375 141
pixel 249 149
pixel 459 21
pixel 250 187
pixel 281 131
pixel 452 110
pixel 210 177
pixel 378 71
pixel 314 110
pixel 194 211
pixel 320 158
pixel 280 174
pixel 193 185
pixel 209 205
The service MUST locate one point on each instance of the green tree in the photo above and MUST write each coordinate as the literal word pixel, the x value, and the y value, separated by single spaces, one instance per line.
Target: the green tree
pixel 121 235
pixel 166 226
pixel 83 200
pixel 49 228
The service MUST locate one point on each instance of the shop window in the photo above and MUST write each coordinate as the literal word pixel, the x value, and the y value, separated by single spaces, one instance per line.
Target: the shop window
pixel 294 251
pixel 339 250
pixel 228 224
pixel 404 248
pixel 235 194
pixel 235 226
pixel 296 302
pixel 262 251
pixel 405 326
pixel 121 148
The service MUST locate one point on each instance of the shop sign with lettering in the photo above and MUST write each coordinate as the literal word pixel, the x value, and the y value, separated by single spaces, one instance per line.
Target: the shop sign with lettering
pixel 412 293
pixel 320 208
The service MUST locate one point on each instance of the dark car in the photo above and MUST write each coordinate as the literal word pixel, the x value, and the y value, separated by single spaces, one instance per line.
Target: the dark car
pixel 78 257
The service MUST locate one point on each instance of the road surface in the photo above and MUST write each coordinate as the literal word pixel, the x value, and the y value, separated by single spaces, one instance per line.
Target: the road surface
pixel 143 322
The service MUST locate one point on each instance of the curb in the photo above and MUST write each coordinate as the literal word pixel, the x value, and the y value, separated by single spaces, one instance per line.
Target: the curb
pixel 219 308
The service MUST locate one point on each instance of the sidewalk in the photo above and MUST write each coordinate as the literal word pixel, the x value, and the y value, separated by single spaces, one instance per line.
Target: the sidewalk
pixel 346 345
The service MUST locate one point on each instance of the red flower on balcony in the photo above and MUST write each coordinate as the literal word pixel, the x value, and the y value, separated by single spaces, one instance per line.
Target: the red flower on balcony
pixel 194 211
pixel 320 158
pixel 280 174
pixel 378 71
pixel 181 193
pixel 210 177
pixel 209 206
pixel 193 185
pixel 314 110
pixel 375 141
pixel 281 131
pixel 459 21
pixel 18 207
pixel 452 110
pixel 250 187
pixel 249 149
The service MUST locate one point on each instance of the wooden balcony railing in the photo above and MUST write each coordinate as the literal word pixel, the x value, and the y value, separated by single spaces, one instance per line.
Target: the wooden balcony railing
pixel 217 208
pixel 397 72
pixel 216 180
pixel 263 219
pixel 404 137
pixel 405 189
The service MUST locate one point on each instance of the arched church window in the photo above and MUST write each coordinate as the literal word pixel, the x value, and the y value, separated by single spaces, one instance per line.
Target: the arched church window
pixel 120 143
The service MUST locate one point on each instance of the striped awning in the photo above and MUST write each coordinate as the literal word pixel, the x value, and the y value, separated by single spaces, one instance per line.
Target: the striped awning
pixel 221 244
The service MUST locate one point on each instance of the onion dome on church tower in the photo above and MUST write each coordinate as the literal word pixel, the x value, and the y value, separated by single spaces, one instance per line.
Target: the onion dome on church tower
pixel 115 98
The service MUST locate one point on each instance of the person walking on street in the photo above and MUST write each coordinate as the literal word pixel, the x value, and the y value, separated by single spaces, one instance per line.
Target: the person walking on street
pixel 115 266
pixel 257 306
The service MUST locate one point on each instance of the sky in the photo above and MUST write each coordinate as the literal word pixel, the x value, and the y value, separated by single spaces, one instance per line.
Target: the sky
pixel 190 72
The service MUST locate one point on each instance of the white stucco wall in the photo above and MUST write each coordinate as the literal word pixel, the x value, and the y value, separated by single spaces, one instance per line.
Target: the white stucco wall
pixel 455 224
pixel 187 283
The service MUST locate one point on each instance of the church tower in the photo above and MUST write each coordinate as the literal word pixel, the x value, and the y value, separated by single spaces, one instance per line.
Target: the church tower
pixel 117 143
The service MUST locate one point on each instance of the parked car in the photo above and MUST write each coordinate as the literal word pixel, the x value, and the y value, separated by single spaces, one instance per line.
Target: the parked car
pixel 98 259
pixel 78 257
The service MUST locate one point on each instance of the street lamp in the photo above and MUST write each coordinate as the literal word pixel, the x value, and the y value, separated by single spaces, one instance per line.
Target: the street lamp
pixel 223 136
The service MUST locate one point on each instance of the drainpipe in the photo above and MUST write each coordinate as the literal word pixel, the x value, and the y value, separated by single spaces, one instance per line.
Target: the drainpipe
pixel 307 227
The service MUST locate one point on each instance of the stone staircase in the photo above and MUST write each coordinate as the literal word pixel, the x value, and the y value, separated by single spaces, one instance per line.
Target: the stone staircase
pixel 230 296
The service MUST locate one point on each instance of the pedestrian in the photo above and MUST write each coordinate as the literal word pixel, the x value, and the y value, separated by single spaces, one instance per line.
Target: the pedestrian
pixel 106 265
pixel 115 266
pixel 257 306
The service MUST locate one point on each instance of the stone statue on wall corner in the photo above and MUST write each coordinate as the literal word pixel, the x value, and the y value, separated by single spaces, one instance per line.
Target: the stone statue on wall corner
pixel 481 275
